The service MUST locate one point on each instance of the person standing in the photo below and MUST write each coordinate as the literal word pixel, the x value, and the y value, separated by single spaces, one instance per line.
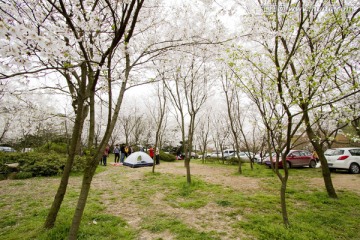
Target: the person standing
pixel 151 152
pixel 315 156
pixel 127 151
pixel 117 153
pixel 105 155
pixel 157 156
pixel 122 153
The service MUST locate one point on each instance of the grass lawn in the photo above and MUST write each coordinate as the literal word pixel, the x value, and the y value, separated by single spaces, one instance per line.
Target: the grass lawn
pixel 126 203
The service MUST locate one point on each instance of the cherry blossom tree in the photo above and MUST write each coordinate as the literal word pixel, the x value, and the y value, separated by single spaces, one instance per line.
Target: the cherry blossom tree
pixel 297 52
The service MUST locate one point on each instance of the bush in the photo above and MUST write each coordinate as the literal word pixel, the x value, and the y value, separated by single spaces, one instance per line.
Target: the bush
pixel 53 147
pixel 166 157
pixel 42 164
pixel 23 175
pixel 79 164
pixel 39 164
pixel 234 161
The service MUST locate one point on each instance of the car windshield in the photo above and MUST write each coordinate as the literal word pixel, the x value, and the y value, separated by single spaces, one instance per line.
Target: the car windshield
pixel 334 152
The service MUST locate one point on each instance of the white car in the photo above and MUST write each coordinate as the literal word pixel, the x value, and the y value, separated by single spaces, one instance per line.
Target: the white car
pixel 215 155
pixel 229 153
pixel 244 156
pixel 344 158
pixel 6 149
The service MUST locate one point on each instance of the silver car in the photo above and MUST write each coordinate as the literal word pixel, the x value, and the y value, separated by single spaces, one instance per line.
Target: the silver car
pixel 7 149
pixel 344 158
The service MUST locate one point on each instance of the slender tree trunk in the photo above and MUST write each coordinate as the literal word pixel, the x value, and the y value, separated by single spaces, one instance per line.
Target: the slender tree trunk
pixel 85 189
pixel 283 203
pixel 93 163
pixel 283 187
pixel 59 197
pixel 324 166
pixel 92 122
pixel 187 166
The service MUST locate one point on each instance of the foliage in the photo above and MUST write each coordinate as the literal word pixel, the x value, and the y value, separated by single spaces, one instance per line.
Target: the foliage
pixel 23 175
pixel 166 157
pixel 38 164
pixel 58 147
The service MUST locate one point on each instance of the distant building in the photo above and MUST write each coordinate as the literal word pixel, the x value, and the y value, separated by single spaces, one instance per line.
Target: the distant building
pixel 341 140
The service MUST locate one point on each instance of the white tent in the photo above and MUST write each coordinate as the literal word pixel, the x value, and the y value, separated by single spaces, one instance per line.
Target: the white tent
pixel 138 159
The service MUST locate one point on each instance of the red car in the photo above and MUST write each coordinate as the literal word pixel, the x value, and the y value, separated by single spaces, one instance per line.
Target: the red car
pixel 296 158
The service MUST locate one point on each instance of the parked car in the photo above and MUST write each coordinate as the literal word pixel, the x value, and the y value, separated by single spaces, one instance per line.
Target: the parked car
pixel 215 155
pixel 244 156
pixel 295 158
pixel 247 156
pixel 343 158
pixel 6 149
pixel 229 153
pixel 260 159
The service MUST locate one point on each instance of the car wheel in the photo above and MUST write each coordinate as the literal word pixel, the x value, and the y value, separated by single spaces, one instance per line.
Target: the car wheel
pixel 354 168
pixel 312 164
pixel 288 165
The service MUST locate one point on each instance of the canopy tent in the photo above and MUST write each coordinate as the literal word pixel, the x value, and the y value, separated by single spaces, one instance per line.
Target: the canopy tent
pixel 138 159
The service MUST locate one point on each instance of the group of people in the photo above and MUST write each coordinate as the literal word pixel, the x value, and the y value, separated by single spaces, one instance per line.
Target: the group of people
pixel 123 151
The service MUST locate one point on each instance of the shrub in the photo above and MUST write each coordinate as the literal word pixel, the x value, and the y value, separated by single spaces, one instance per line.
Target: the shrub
pixel 234 161
pixel 39 164
pixel 23 175
pixel 42 164
pixel 53 147
pixel 79 164
pixel 166 157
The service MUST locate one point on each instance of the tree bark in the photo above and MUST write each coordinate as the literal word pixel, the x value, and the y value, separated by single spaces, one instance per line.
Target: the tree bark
pixel 85 189
pixel 91 137
pixel 283 203
pixel 59 197
pixel 187 166
pixel 324 166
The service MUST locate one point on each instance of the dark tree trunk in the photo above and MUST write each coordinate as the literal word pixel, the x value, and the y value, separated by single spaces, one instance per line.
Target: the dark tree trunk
pixel 187 166
pixel 283 203
pixel 324 166
pixel 91 138
pixel 85 189
pixel 59 197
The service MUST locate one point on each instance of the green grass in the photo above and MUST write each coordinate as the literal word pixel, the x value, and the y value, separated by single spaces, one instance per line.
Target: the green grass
pixel 187 211
pixel 164 222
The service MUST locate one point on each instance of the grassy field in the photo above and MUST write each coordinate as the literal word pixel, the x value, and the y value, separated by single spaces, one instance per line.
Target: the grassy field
pixel 126 203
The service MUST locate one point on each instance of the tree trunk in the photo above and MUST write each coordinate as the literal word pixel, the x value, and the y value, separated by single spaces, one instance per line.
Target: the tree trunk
pixel 283 180
pixel 91 137
pixel 85 189
pixel 324 166
pixel 94 161
pixel 59 197
pixel 187 165
pixel 283 203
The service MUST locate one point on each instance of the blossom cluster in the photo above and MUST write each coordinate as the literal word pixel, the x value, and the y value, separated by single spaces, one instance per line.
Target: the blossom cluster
pixel 270 8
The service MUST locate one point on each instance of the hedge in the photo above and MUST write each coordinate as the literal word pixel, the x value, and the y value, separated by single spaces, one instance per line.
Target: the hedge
pixel 38 164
